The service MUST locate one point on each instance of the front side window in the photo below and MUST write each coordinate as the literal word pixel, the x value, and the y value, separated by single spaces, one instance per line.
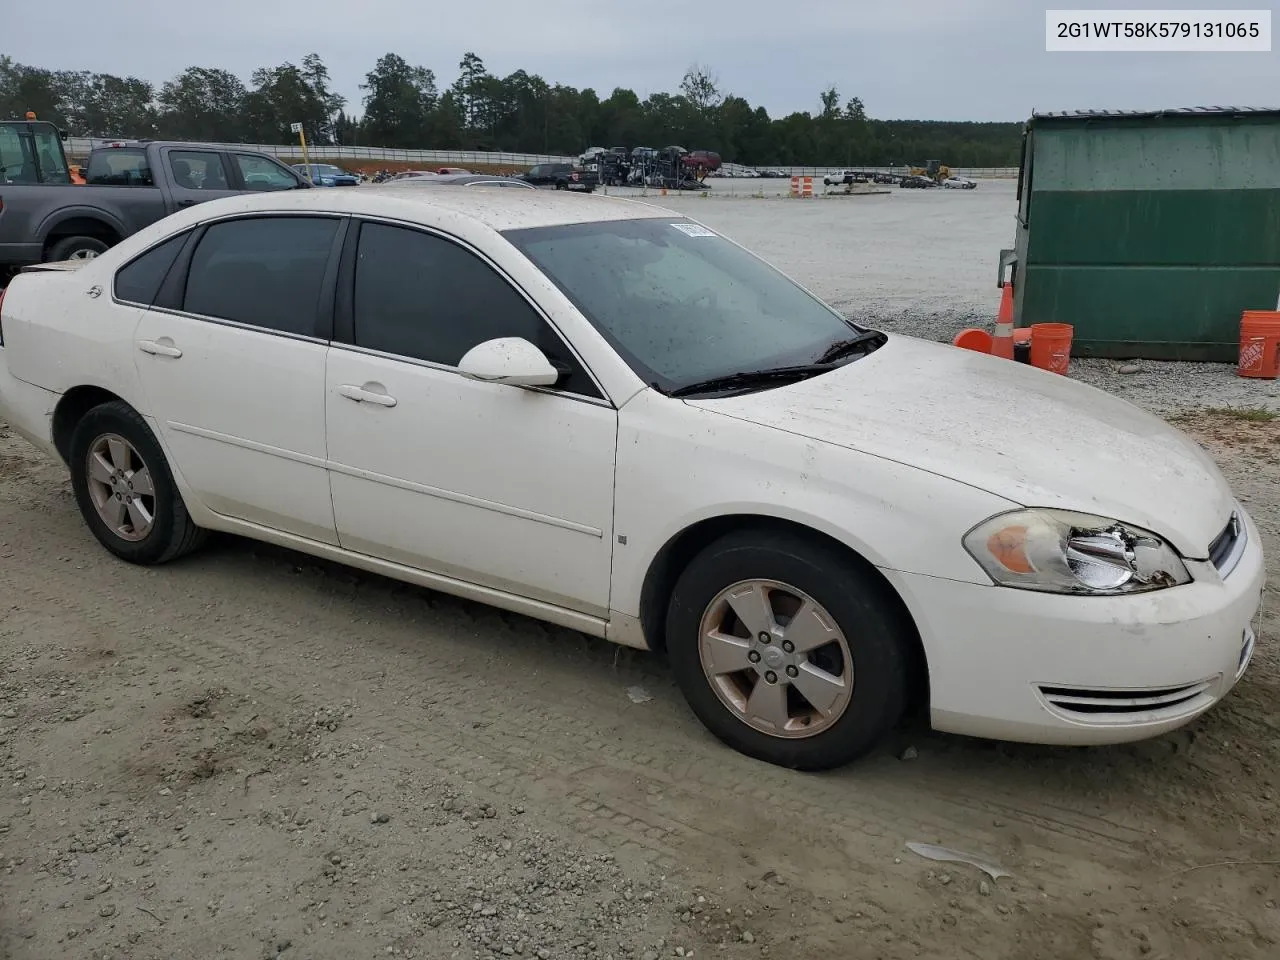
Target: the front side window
pixel 679 303
pixel 197 170
pixel 139 280
pixel 421 296
pixel 262 271
pixel 261 173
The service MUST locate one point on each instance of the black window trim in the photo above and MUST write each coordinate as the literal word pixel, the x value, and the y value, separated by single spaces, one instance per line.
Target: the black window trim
pixel 344 319
pixel 173 268
pixel 173 289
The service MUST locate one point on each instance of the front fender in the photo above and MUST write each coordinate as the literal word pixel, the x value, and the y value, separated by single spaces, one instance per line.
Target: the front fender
pixel 679 465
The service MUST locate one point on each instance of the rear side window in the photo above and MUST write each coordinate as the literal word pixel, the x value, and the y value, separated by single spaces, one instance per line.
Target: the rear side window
pixel 139 280
pixel 120 167
pixel 263 271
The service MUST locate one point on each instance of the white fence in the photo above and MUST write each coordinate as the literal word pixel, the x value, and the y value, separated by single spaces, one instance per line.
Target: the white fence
pixel 80 147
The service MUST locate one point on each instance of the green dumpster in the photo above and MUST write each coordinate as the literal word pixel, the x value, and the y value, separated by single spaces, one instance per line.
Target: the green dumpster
pixel 1148 232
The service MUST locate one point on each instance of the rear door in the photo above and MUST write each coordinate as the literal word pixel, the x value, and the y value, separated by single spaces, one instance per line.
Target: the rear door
pixel 232 363
pixel 195 175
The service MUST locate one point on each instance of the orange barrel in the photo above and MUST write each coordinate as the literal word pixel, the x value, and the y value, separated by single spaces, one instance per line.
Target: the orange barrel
pixel 1051 346
pixel 973 338
pixel 1260 344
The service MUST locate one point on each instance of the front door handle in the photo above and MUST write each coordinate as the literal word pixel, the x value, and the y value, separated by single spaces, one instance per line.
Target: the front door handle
pixel 159 348
pixel 366 395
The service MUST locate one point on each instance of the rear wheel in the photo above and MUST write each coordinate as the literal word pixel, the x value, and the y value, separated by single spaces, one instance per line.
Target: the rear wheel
pixel 76 248
pixel 125 490
pixel 786 651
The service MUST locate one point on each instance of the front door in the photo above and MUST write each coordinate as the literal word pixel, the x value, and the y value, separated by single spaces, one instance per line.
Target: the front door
pixel 501 486
pixel 234 375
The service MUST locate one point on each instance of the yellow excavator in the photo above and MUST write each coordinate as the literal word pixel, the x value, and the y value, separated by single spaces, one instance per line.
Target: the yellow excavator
pixel 933 169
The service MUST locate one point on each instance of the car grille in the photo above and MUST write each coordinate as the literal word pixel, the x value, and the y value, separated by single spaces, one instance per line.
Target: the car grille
pixel 1127 706
pixel 1228 546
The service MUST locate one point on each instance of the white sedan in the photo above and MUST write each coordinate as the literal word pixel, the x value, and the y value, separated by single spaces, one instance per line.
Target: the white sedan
pixel 603 414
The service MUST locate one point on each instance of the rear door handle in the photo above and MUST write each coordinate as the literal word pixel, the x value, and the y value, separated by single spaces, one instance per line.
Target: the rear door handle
pixel 365 395
pixel 157 349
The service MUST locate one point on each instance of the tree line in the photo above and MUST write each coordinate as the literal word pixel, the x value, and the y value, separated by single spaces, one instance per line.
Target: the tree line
pixel 404 106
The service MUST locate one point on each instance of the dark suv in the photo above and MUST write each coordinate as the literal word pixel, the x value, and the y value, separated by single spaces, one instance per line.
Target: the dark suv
pixel 562 176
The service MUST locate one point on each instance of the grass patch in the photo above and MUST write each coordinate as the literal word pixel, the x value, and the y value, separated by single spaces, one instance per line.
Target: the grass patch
pixel 1245 414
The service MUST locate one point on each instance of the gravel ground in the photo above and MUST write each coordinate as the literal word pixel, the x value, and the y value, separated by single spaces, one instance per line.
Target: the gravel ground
pixel 250 754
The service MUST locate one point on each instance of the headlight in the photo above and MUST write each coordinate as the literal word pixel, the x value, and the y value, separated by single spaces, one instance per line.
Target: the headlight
pixel 1059 551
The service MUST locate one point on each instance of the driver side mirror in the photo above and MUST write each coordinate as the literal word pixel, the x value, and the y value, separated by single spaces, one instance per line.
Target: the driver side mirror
pixel 510 360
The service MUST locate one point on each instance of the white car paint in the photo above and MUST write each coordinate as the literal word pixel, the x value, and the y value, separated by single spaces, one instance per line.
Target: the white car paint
pixel 559 507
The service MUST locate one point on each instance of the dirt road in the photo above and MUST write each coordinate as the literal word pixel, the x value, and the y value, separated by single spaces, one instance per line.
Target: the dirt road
pixel 251 754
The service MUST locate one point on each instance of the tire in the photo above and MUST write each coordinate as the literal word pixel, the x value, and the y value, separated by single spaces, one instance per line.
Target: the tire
pixel 172 532
pixel 875 673
pixel 76 248
pixel 561 185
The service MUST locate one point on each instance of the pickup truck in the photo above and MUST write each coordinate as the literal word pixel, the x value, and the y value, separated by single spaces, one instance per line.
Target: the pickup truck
pixel 562 176
pixel 128 185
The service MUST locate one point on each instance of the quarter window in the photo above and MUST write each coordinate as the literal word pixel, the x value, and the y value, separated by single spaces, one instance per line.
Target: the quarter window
pixel 262 271
pixel 139 281
pixel 423 297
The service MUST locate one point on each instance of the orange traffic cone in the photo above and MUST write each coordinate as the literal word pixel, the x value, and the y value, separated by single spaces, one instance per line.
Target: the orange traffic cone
pixel 1002 342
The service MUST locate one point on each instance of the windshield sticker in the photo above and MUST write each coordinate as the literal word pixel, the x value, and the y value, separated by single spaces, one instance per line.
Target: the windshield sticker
pixel 694 230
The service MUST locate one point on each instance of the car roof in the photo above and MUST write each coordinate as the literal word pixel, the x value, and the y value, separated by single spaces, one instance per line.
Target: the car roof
pixel 497 209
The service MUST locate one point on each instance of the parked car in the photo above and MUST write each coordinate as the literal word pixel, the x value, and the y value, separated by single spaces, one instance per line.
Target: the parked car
pixel 465 180
pixel 562 176
pixel 959 183
pixel 327 175
pixel 449 171
pixel 837 178
pixel 607 416
pixel 916 182
pixel 129 185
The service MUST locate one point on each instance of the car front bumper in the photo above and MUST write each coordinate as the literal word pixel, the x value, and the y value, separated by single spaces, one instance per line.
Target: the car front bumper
pixel 1009 664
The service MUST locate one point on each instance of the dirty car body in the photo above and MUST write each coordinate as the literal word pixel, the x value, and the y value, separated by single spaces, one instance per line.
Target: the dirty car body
pixel 655 438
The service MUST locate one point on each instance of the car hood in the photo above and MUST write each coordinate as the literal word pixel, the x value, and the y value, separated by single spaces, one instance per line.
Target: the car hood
pixel 1035 438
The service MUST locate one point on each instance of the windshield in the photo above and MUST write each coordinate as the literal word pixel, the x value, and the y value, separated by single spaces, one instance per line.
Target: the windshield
pixel 324 170
pixel 679 303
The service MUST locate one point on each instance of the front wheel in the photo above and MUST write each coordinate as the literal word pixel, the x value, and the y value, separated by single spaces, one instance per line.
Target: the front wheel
pixel 786 651
pixel 125 490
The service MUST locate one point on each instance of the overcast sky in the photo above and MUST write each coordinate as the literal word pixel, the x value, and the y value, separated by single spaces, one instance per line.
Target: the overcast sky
pixel 924 59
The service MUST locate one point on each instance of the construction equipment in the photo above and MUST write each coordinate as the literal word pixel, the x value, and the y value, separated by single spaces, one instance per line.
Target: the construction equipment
pixel 31 152
pixel 935 170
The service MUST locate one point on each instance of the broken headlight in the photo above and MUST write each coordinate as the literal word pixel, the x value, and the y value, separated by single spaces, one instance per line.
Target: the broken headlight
pixel 1059 551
